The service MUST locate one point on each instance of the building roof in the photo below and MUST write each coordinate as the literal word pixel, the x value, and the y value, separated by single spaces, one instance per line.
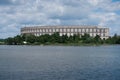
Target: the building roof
pixel 71 26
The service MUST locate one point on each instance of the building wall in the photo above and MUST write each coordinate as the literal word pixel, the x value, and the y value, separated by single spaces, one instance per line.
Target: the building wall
pixel 69 30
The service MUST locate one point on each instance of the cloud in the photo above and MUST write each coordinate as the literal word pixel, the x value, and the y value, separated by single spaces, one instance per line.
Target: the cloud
pixel 5 2
pixel 11 2
pixel 104 18
pixel 15 13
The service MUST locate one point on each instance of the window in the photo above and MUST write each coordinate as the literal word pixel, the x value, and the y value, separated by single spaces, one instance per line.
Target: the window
pixel 101 34
pixel 46 30
pixel 68 34
pixel 68 30
pixel 64 30
pixel 50 33
pixel 71 30
pixel 53 30
pixel 90 30
pixel 79 30
pixel 40 30
pixel 98 30
pixel 75 30
pixel 94 34
pixel 71 34
pixel 40 34
pixel 61 34
pixel 83 30
pixel 86 30
pixel 104 35
pixel 50 30
pixel 43 30
pixel 57 30
pixel 94 30
pixel 60 30
pixel 90 34
pixel 102 30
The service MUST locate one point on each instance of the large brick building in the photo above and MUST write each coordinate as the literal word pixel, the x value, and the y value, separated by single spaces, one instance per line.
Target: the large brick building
pixel 103 32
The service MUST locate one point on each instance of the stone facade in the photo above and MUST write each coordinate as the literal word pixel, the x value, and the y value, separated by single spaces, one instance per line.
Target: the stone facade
pixel 69 30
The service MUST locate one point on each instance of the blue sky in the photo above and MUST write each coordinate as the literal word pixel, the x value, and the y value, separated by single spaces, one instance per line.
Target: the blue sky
pixel 14 14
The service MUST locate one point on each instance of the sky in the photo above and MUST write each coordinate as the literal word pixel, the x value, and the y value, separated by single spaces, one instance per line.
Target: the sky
pixel 15 14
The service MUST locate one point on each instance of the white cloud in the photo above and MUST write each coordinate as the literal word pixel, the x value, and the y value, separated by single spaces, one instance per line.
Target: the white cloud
pixel 95 2
pixel 57 12
pixel 104 18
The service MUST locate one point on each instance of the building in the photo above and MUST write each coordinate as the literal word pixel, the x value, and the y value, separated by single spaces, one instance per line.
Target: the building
pixel 103 32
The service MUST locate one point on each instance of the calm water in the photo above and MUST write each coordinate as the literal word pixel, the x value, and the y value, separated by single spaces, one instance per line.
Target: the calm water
pixel 59 63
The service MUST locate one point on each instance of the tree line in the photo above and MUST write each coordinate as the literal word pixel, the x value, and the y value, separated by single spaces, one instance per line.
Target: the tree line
pixel 57 39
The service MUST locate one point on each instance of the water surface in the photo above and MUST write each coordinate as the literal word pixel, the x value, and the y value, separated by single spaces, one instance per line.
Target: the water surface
pixel 59 63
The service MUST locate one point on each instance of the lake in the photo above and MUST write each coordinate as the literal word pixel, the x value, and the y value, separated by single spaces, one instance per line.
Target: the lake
pixel 59 62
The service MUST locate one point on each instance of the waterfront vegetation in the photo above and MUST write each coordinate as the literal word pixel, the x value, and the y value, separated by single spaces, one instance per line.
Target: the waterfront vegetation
pixel 2 41
pixel 56 39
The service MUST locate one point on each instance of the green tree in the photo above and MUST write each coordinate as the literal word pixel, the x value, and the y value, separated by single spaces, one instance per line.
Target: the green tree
pixel 18 40
pixel 10 41
pixel 70 39
pixel 76 38
pixel 114 39
pixel 109 41
pixel 118 40
pixel 97 39
pixel 64 38
pixel 86 38
pixel 31 38
pixel 55 38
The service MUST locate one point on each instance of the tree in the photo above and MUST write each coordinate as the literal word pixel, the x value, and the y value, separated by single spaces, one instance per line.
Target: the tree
pixel 55 38
pixel 70 39
pixel 64 38
pixel 76 38
pixel 118 40
pixel 97 39
pixel 31 38
pixel 86 38
pixel 9 41
pixel 18 39
pixel 114 39
pixel 44 38
pixel 109 40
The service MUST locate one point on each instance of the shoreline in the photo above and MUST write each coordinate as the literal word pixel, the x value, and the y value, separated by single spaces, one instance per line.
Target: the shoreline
pixel 65 45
